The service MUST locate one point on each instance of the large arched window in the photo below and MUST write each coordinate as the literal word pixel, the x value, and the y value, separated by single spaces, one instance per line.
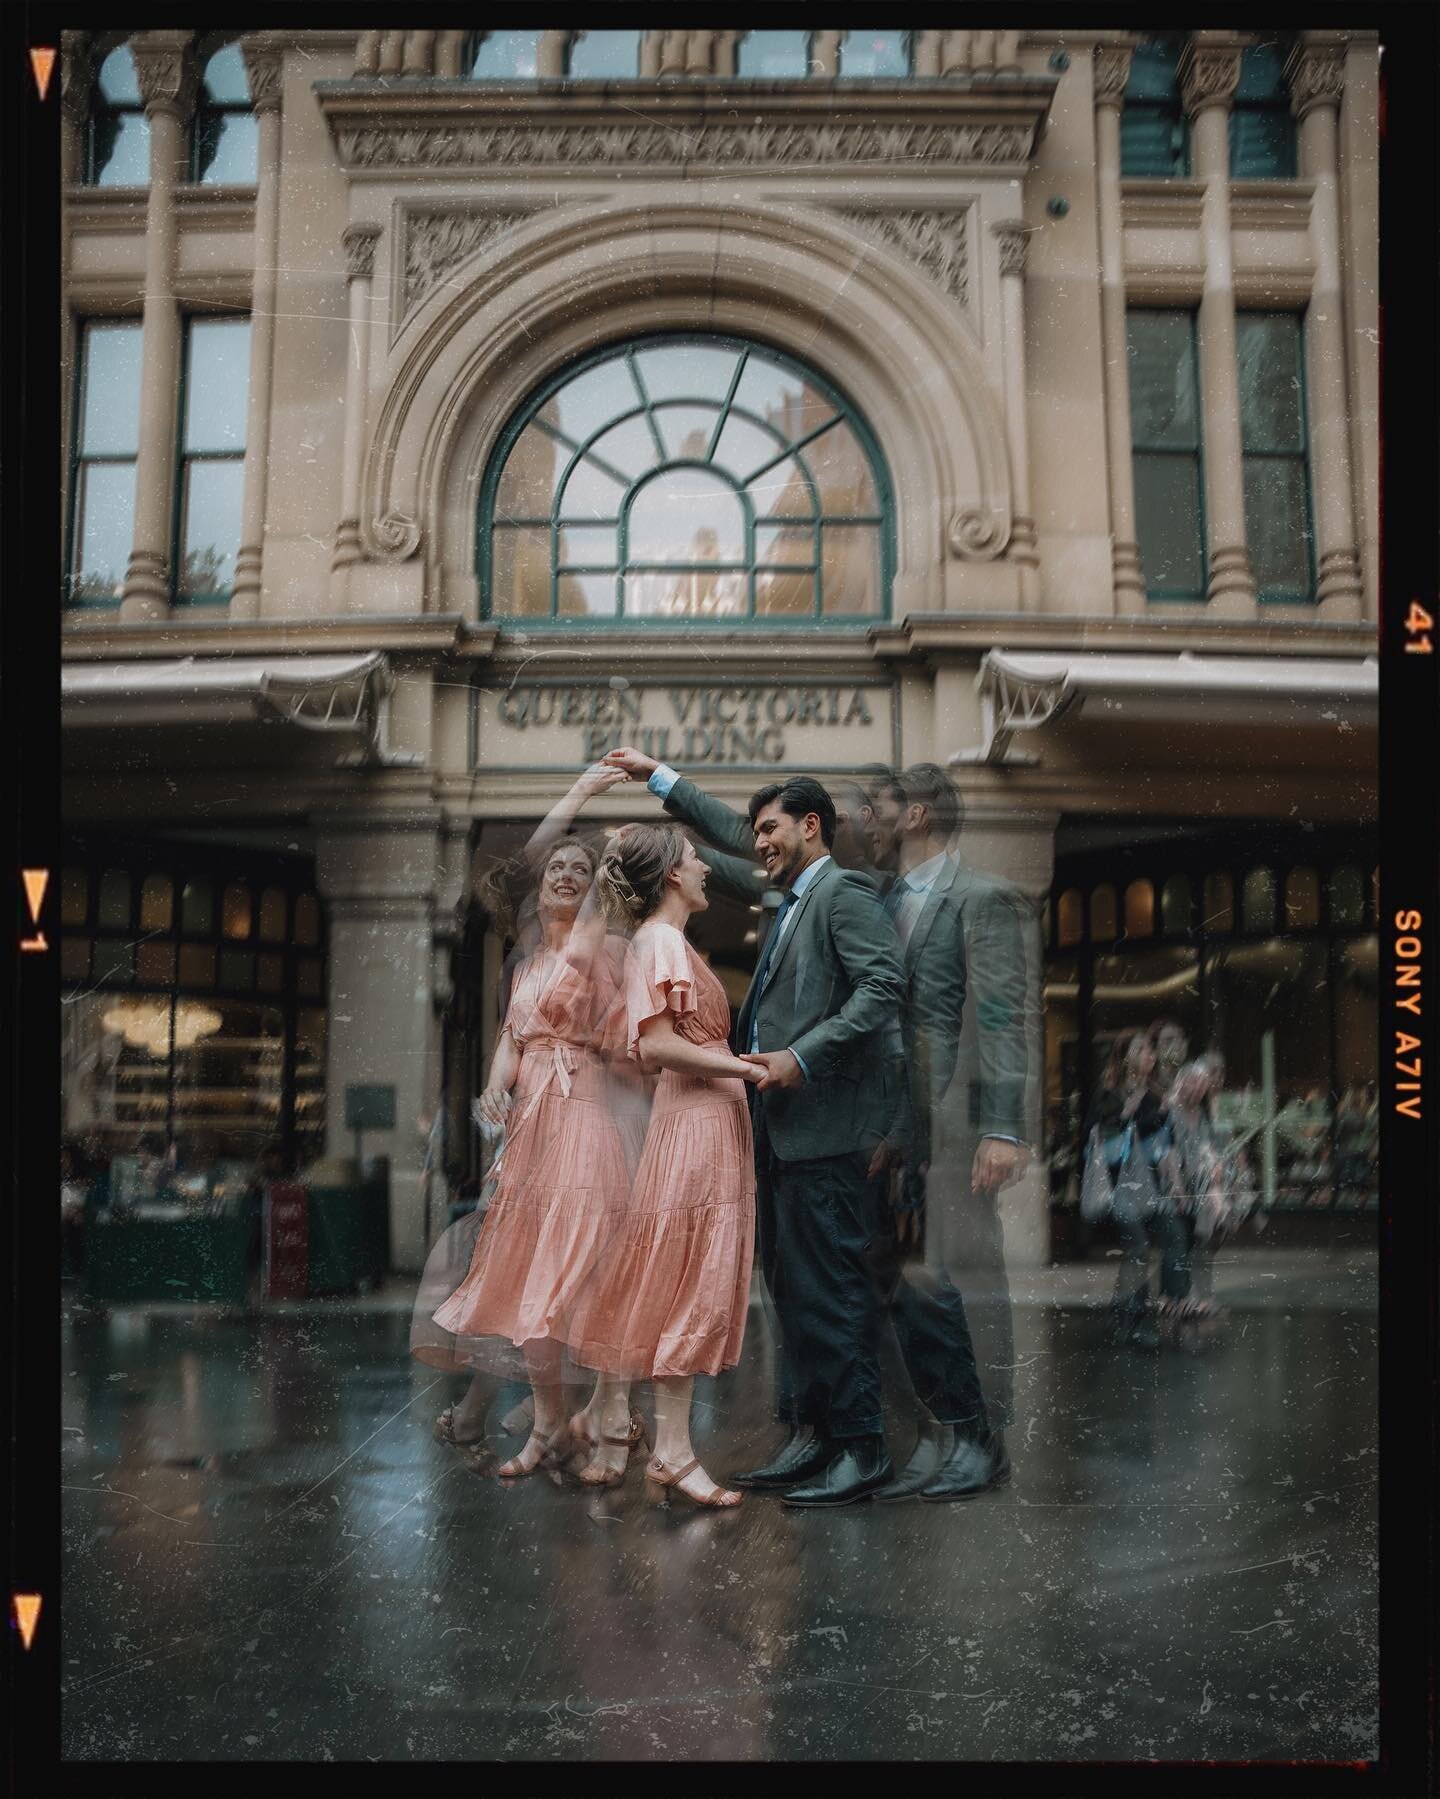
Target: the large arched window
pixel 225 138
pixel 687 477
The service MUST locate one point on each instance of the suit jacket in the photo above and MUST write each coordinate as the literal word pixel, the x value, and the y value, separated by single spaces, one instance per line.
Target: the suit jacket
pixel 830 993
pixel 967 943
pixel 729 847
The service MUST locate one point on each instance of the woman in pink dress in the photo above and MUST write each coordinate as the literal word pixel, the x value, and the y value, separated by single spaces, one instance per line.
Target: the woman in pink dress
pixel 671 1297
pixel 572 1138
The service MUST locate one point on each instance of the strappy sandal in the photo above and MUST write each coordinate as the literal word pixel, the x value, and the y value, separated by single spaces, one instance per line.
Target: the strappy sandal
pixel 471 1450
pixel 661 1482
pixel 553 1449
pixel 634 1436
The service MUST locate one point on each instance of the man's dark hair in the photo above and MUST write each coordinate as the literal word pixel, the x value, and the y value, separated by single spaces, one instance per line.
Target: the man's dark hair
pixel 878 778
pixel 798 796
pixel 927 784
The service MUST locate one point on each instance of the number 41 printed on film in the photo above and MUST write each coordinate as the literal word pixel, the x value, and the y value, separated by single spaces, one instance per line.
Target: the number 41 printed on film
pixel 1418 626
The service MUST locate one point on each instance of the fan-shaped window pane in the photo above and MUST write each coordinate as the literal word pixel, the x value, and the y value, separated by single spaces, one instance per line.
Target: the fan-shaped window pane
pixel 1104 922
pixel 272 915
pixel 197 908
pixel 1071 917
pixel 236 910
pixel 1140 909
pixel 1302 899
pixel 690 477
pixel 1347 896
pixel 1177 906
pixel 604 55
pixel 1257 900
pixel 875 53
pixel 774 55
pixel 502 54
pixel 157 903
pixel 1219 904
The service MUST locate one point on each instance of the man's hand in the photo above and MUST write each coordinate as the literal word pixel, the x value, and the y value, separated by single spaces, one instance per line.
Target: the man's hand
pixel 637 766
pixel 781 1069
pixel 997 1164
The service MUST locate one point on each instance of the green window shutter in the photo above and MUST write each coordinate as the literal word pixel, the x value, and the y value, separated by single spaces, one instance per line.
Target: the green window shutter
pixel 1278 527
pixel 1165 438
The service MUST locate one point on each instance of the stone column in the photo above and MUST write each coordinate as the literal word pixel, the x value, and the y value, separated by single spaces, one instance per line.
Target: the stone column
pixel 928 46
pixel 448 48
pixel 418 56
pixel 825 53
pixel 550 57
pixel 359 241
pixel 367 54
pixel 392 52
pixel 1112 72
pixel 263 67
pixel 166 74
pixel 1007 53
pixel 1013 237
pixel 77 73
pixel 377 873
pixel 1209 73
pixel 1316 73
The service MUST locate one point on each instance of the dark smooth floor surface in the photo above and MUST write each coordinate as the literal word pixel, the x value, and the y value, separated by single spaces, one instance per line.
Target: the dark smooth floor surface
pixel 268 1557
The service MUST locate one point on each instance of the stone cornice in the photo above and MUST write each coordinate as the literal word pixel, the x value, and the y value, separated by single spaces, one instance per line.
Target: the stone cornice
pixel 966 635
pixel 385 128
pixel 436 633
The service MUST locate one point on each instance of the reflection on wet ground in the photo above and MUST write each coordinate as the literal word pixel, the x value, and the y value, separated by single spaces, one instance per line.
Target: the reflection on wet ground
pixel 267 1556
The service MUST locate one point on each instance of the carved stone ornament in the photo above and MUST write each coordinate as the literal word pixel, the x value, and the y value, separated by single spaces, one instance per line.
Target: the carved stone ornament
pixel 1317 77
pixel 1112 73
pixel 936 240
pixel 507 147
pixel 166 75
pixel 1014 242
pixel 395 537
pixel 436 241
pixel 262 71
pixel 978 533
pixel 359 242
pixel 1208 77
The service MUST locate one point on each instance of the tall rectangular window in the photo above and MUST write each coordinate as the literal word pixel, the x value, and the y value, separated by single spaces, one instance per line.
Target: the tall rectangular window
pixel 1262 131
pixel 212 458
pixel 1153 136
pixel 1269 348
pixel 107 440
pixel 1165 439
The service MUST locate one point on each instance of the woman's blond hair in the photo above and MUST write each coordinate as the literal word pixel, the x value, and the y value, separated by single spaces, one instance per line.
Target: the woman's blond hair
pixel 630 881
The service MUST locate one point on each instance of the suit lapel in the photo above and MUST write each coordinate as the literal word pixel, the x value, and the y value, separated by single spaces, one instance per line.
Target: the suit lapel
pixel 787 943
pixel 930 911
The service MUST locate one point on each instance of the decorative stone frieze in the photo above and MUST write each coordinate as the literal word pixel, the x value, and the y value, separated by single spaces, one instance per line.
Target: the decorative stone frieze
pixel 936 240
pixel 263 63
pixel 1013 240
pixel 436 241
pixel 165 71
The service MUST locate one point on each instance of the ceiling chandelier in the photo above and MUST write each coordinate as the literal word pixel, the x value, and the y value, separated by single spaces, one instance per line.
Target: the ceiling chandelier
pixel 145 1023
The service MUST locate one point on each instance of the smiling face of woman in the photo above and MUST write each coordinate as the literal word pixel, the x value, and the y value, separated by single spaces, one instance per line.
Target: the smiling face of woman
pixel 566 881
pixel 689 877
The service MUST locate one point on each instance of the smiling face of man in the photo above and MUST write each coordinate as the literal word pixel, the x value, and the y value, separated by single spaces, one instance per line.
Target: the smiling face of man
pixel 786 844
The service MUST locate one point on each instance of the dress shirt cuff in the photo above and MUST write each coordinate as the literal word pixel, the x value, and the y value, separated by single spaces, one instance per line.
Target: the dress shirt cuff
pixel 662 780
pixel 801 1060
pixel 1002 1137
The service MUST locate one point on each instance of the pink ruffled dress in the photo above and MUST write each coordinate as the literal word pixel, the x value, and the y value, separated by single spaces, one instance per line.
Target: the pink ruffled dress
pixel 675 1287
pixel 571 1144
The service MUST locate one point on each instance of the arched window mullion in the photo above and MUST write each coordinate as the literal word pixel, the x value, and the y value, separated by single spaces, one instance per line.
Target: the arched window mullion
pixel 735 380
pixel 794 446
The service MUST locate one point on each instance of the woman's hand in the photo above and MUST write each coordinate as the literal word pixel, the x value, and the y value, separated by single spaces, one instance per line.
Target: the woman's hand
pixel 753 1072
pixel 599 778
pixel 493 1105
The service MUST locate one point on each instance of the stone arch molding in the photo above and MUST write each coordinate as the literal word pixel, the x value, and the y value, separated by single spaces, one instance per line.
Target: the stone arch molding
pixel 573 278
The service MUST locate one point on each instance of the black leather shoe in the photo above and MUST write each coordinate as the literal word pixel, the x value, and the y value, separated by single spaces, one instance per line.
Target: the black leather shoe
pixel 802 1455
pixel 858 1466
pixel 932 1447
pixel 973 1465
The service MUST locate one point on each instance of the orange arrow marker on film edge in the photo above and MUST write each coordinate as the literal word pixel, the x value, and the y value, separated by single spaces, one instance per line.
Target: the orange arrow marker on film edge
pixel 27 1615
pixel 43 63
pixel 36 881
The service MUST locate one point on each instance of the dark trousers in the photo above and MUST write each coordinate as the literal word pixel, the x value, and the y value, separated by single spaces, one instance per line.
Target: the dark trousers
pixel 933 1332
pixel 1170 1232
pixel 819 1227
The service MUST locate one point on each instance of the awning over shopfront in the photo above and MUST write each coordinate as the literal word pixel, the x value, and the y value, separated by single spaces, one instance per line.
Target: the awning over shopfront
pixel 338 694
pixel 1022 693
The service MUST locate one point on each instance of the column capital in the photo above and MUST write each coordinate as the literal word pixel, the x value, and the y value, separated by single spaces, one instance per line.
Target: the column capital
pixel 1013 237
pixel 165 69
pixel 1209 70
pixel 359 242
pixel 1112 73
pixel 1315 70
pixel 263 62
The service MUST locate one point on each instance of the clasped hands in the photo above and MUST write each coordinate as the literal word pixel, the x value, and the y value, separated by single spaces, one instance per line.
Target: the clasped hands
pixel 779 1068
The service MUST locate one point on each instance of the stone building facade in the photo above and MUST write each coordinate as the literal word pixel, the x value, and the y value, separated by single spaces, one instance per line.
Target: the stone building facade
pixel 1074 469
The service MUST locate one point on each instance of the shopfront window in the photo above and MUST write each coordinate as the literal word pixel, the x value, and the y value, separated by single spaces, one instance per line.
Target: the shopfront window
pixel 687 477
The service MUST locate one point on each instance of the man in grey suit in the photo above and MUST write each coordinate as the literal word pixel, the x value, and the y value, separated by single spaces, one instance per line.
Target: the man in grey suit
pixel 963 942
pixel 818 1017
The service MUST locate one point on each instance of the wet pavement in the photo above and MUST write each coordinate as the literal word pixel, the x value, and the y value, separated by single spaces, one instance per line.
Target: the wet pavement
pixel 268 1557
